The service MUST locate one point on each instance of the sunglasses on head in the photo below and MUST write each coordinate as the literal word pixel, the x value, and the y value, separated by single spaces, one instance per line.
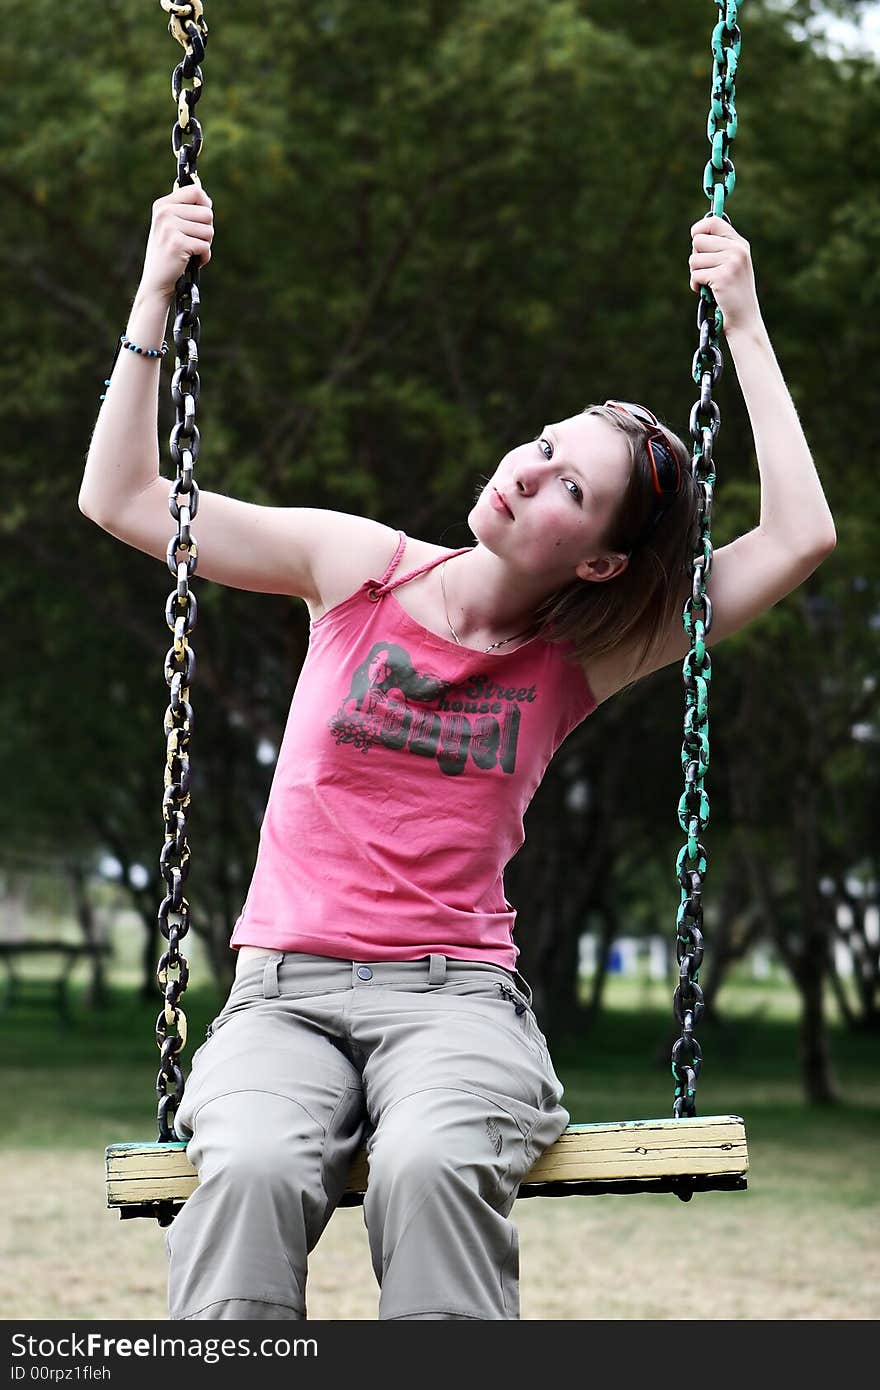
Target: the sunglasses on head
pixel 665 468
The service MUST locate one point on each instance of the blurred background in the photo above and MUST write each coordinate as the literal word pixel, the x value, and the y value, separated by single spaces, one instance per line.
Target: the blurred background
pixel 439 226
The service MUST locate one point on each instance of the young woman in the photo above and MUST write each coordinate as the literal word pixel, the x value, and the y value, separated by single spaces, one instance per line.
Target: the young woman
pixel 376 995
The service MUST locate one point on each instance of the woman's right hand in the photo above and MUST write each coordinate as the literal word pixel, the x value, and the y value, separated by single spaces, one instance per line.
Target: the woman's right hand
pixel 183 226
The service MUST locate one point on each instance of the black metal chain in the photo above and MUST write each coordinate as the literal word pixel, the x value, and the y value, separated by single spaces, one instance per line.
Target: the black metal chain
pixel 187 25
pixel 705 422
pixel 189 29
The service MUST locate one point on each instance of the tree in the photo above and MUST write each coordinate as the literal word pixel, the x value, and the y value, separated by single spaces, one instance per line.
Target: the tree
pixel 440 226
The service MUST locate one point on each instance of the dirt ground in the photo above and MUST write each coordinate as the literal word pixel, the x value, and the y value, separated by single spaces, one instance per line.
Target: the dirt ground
pixel 64 1256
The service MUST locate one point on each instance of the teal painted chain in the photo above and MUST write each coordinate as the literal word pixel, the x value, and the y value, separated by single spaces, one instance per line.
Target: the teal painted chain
pixel 705 422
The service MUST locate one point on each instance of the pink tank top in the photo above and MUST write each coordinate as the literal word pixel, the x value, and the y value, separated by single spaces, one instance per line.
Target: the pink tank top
pixel 403 776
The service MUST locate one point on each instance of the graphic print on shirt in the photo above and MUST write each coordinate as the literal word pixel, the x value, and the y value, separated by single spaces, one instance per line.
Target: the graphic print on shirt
pixel 391 703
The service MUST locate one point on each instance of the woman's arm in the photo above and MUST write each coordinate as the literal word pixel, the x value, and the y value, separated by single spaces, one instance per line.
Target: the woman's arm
pixel 123 457
pixel 320 555
pixel 794 511
pixel 793 505
pixel 796 529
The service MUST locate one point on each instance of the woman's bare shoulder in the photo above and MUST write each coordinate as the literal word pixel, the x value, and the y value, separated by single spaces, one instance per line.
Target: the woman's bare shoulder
pixel 606 675
pixel 356 549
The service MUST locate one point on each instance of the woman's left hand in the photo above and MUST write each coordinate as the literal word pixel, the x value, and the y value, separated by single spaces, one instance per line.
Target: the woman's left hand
pixel 722 259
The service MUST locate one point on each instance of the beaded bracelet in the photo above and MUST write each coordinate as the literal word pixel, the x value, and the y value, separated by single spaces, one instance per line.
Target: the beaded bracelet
pixel 133 347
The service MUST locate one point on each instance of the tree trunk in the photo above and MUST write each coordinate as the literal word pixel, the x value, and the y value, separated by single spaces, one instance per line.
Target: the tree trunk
pixel 96 992
pixel 847 1012
pixel 558 877
pixel 610 930
pixel 819 1082
pixel 222 960
pixel 818 1078
pixel 796 917
pixel 149 957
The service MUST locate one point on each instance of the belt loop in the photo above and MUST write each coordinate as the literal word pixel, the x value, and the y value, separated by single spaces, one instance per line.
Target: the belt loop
pixel 437 970
pixel 523 985
pixel 270 976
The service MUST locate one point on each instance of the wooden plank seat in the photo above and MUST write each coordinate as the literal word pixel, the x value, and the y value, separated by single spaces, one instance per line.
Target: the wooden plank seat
pixel 705 1153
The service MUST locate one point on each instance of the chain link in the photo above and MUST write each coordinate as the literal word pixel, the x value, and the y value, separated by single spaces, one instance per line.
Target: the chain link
pixel 705 422
pixel 189 29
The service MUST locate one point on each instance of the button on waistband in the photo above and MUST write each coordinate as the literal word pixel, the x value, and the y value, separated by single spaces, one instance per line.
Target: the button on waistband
pixel 364 972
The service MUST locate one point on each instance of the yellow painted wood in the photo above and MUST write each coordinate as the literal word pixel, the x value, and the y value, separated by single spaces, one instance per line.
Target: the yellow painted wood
pixel 625 1150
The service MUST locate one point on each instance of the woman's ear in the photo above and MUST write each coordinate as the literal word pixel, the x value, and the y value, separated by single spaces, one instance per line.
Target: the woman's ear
pixel 603 567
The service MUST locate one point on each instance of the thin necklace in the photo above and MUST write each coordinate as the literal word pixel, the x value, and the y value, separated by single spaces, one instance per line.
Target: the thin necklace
pixel 492 645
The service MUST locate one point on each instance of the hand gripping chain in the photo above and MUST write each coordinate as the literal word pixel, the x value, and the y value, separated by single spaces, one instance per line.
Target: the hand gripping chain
pixel 189 29
pixel 705 422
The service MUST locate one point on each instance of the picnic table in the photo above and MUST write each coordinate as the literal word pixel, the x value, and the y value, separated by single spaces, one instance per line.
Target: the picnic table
pixel 68 952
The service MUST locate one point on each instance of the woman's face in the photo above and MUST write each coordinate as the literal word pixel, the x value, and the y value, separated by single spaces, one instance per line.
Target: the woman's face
pixel 561 491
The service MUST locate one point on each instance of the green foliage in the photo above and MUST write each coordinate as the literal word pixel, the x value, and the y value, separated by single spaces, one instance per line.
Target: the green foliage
pixel 438 226
pixel 94 1083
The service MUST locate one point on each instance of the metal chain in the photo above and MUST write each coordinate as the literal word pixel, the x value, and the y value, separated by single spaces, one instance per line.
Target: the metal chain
pixel 189 29
pixel 705 422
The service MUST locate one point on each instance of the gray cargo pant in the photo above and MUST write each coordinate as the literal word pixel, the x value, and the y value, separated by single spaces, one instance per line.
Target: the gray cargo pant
pixel 438 1064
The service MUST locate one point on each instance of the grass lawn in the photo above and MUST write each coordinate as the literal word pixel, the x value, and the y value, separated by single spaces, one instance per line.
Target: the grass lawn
pixel 800 1243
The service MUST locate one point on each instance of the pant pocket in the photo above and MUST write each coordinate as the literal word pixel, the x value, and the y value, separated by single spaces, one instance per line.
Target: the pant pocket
pixel 246 991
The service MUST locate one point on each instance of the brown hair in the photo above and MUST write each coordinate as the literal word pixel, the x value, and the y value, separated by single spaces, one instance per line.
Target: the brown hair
pixel 638 605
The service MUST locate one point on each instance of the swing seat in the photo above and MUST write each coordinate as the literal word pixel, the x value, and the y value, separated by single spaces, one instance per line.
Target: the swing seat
pixel 701 1154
